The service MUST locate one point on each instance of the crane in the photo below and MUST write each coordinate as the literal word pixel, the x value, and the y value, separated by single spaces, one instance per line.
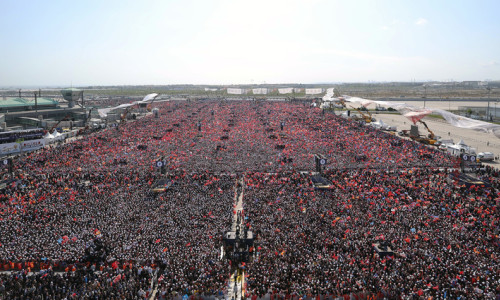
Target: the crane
pixel 87 121
pixel 149 106
pixel 431 134
pixel 124 115
pixel 59 122
pixel 88 117
pixel 429 140
pixel 367 118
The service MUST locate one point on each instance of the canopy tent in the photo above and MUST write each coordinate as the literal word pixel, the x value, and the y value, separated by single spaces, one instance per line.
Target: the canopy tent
pixel 381 125
pixel 378 123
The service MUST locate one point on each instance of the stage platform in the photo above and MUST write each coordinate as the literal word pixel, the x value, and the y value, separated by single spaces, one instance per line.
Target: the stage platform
pixel 161 185
pixel 467 180
pixel 320 182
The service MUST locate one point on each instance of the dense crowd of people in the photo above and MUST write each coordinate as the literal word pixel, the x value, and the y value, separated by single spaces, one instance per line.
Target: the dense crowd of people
pixel 83 283
pixel 443 237
pixel 81 220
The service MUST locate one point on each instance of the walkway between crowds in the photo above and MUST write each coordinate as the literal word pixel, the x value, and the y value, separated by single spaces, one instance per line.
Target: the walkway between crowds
pixel 235 289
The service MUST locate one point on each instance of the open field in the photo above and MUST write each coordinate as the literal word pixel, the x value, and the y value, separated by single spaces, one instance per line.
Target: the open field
pixel 368 90
pixel 483 142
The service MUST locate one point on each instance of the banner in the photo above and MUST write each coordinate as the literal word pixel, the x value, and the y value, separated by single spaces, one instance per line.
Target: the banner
pixel 259 91
pixel 313 91
pixel 10 148
pixel 32 145
pixel 285 90
pixel 366 102
pixel 148 97
pixel 298 90
pixel 329 95
pixel 210 90
pixel 103 112
pixel 235 91
pixel 464 122
pixel 330 91
pixel 415 114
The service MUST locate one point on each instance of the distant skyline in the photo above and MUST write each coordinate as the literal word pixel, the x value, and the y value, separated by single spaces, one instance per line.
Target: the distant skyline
pixel 82 43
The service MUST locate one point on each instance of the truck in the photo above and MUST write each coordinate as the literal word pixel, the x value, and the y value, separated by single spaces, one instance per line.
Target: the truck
pixel 485 156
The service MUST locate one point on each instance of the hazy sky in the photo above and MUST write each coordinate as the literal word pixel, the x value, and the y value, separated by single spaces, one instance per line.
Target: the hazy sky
pixel 229 42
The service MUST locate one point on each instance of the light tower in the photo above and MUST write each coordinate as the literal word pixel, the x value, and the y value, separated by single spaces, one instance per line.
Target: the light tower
pixel 72 95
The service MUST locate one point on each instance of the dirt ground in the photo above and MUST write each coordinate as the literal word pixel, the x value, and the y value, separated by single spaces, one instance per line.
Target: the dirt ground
pixel 481 141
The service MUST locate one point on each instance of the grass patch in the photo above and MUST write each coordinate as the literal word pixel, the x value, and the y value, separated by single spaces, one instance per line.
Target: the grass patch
pixel 440 117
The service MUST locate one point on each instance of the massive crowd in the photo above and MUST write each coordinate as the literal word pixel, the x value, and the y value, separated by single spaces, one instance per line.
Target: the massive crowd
pixel 444 237
pixel 86 209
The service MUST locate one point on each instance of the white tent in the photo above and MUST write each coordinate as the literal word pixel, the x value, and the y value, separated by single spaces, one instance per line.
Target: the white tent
pixel 49 138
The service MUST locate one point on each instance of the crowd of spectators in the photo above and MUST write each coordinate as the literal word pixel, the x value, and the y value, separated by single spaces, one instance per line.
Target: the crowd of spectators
pixel 20 135
pixel 83 283
pixel 86 209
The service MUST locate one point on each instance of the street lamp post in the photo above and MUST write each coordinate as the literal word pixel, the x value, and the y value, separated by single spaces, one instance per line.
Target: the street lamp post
pixel 425 93
pixel 488 109
pixel 496 109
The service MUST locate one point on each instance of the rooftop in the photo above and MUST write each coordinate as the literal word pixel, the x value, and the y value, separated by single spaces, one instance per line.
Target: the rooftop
pixel 19 102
